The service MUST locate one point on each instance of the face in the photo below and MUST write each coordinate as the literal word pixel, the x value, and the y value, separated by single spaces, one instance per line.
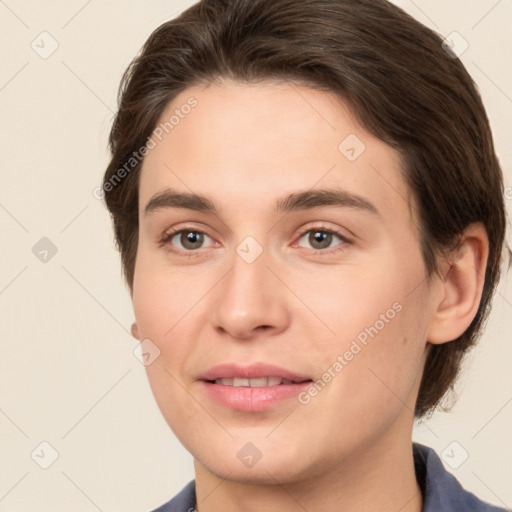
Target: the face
pixel 302 254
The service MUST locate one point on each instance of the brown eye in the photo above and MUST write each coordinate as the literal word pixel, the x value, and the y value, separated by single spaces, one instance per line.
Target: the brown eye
pixel 186 239
pixel 321 239
pixel 191 239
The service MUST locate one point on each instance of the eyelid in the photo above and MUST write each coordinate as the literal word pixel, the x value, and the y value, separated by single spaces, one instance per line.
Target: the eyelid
pixel 330 229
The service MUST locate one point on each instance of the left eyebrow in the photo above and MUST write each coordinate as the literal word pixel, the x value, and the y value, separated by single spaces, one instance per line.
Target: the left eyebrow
pixel 296 201
pixel 325 197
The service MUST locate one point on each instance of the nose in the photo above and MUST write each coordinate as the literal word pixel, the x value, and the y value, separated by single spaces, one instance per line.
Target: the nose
pixel 251 299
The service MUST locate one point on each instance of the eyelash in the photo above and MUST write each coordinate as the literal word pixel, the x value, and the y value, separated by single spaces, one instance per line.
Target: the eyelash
pixel 169 235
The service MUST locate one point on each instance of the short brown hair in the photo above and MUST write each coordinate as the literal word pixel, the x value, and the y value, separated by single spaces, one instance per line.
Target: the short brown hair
pixel 402 84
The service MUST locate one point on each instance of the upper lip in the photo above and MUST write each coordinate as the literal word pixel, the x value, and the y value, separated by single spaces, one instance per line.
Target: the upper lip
pixel 253 371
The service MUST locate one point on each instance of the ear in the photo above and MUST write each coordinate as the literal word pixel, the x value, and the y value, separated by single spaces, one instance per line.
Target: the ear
pixel 135 331
pixel 458 294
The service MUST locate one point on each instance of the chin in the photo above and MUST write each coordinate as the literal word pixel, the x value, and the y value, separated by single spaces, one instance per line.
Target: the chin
pixel 256 461
pixel 262 473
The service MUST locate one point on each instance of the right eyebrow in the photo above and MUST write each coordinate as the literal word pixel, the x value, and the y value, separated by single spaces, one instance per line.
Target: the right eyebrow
pixel 170 198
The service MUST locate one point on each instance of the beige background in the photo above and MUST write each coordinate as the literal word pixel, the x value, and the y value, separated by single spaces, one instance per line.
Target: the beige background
pixel 68 375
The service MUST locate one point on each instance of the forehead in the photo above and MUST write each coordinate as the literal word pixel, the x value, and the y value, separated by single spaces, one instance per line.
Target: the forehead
pixel 253 141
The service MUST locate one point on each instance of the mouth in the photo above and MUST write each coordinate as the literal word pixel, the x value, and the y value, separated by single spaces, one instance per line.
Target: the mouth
pixel 259 382
pixel 254 388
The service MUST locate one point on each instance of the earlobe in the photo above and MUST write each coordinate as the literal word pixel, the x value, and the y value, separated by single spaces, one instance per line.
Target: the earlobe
pixel 461 289
pixel 135 331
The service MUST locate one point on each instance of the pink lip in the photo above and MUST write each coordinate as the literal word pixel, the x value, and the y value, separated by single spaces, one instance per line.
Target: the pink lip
pixel 251 399
pixel 253 371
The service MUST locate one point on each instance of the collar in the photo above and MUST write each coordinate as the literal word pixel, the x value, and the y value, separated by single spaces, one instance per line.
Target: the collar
pixel 441 490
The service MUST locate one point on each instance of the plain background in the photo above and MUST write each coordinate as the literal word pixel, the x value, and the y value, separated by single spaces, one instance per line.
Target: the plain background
pixel 68 375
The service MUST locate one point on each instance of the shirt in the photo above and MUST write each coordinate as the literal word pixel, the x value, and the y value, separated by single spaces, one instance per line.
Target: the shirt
pixel 441 490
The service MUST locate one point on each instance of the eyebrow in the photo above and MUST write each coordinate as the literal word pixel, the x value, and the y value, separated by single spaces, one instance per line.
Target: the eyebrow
pixel 305 200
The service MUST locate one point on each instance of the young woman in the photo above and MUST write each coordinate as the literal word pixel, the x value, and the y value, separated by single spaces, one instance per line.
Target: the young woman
pixel 310 215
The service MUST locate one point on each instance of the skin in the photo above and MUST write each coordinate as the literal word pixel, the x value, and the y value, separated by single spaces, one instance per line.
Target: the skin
pixel 244 146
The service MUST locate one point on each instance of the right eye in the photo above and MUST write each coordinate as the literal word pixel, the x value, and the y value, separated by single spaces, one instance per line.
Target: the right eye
pixel 190 239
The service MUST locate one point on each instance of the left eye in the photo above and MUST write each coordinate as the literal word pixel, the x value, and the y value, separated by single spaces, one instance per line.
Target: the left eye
pixel 321 238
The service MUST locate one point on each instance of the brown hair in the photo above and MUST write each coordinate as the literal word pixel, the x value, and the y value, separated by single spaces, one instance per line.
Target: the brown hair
pixel 403 86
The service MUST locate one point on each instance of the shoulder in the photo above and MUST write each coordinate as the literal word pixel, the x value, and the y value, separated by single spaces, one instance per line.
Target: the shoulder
pixel 184 501
pixel 442 492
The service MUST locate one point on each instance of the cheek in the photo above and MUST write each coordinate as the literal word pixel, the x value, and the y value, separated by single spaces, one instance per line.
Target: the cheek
pixel 389 367
pixel 376 385
pixel 158 298
pixel 163 303
pixel 376 343
pixel 160 308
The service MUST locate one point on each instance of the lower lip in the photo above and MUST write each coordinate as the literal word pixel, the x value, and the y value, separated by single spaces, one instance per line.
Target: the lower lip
pixel 249 399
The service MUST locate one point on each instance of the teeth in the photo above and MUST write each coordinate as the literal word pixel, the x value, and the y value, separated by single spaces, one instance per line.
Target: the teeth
pixel 253 383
